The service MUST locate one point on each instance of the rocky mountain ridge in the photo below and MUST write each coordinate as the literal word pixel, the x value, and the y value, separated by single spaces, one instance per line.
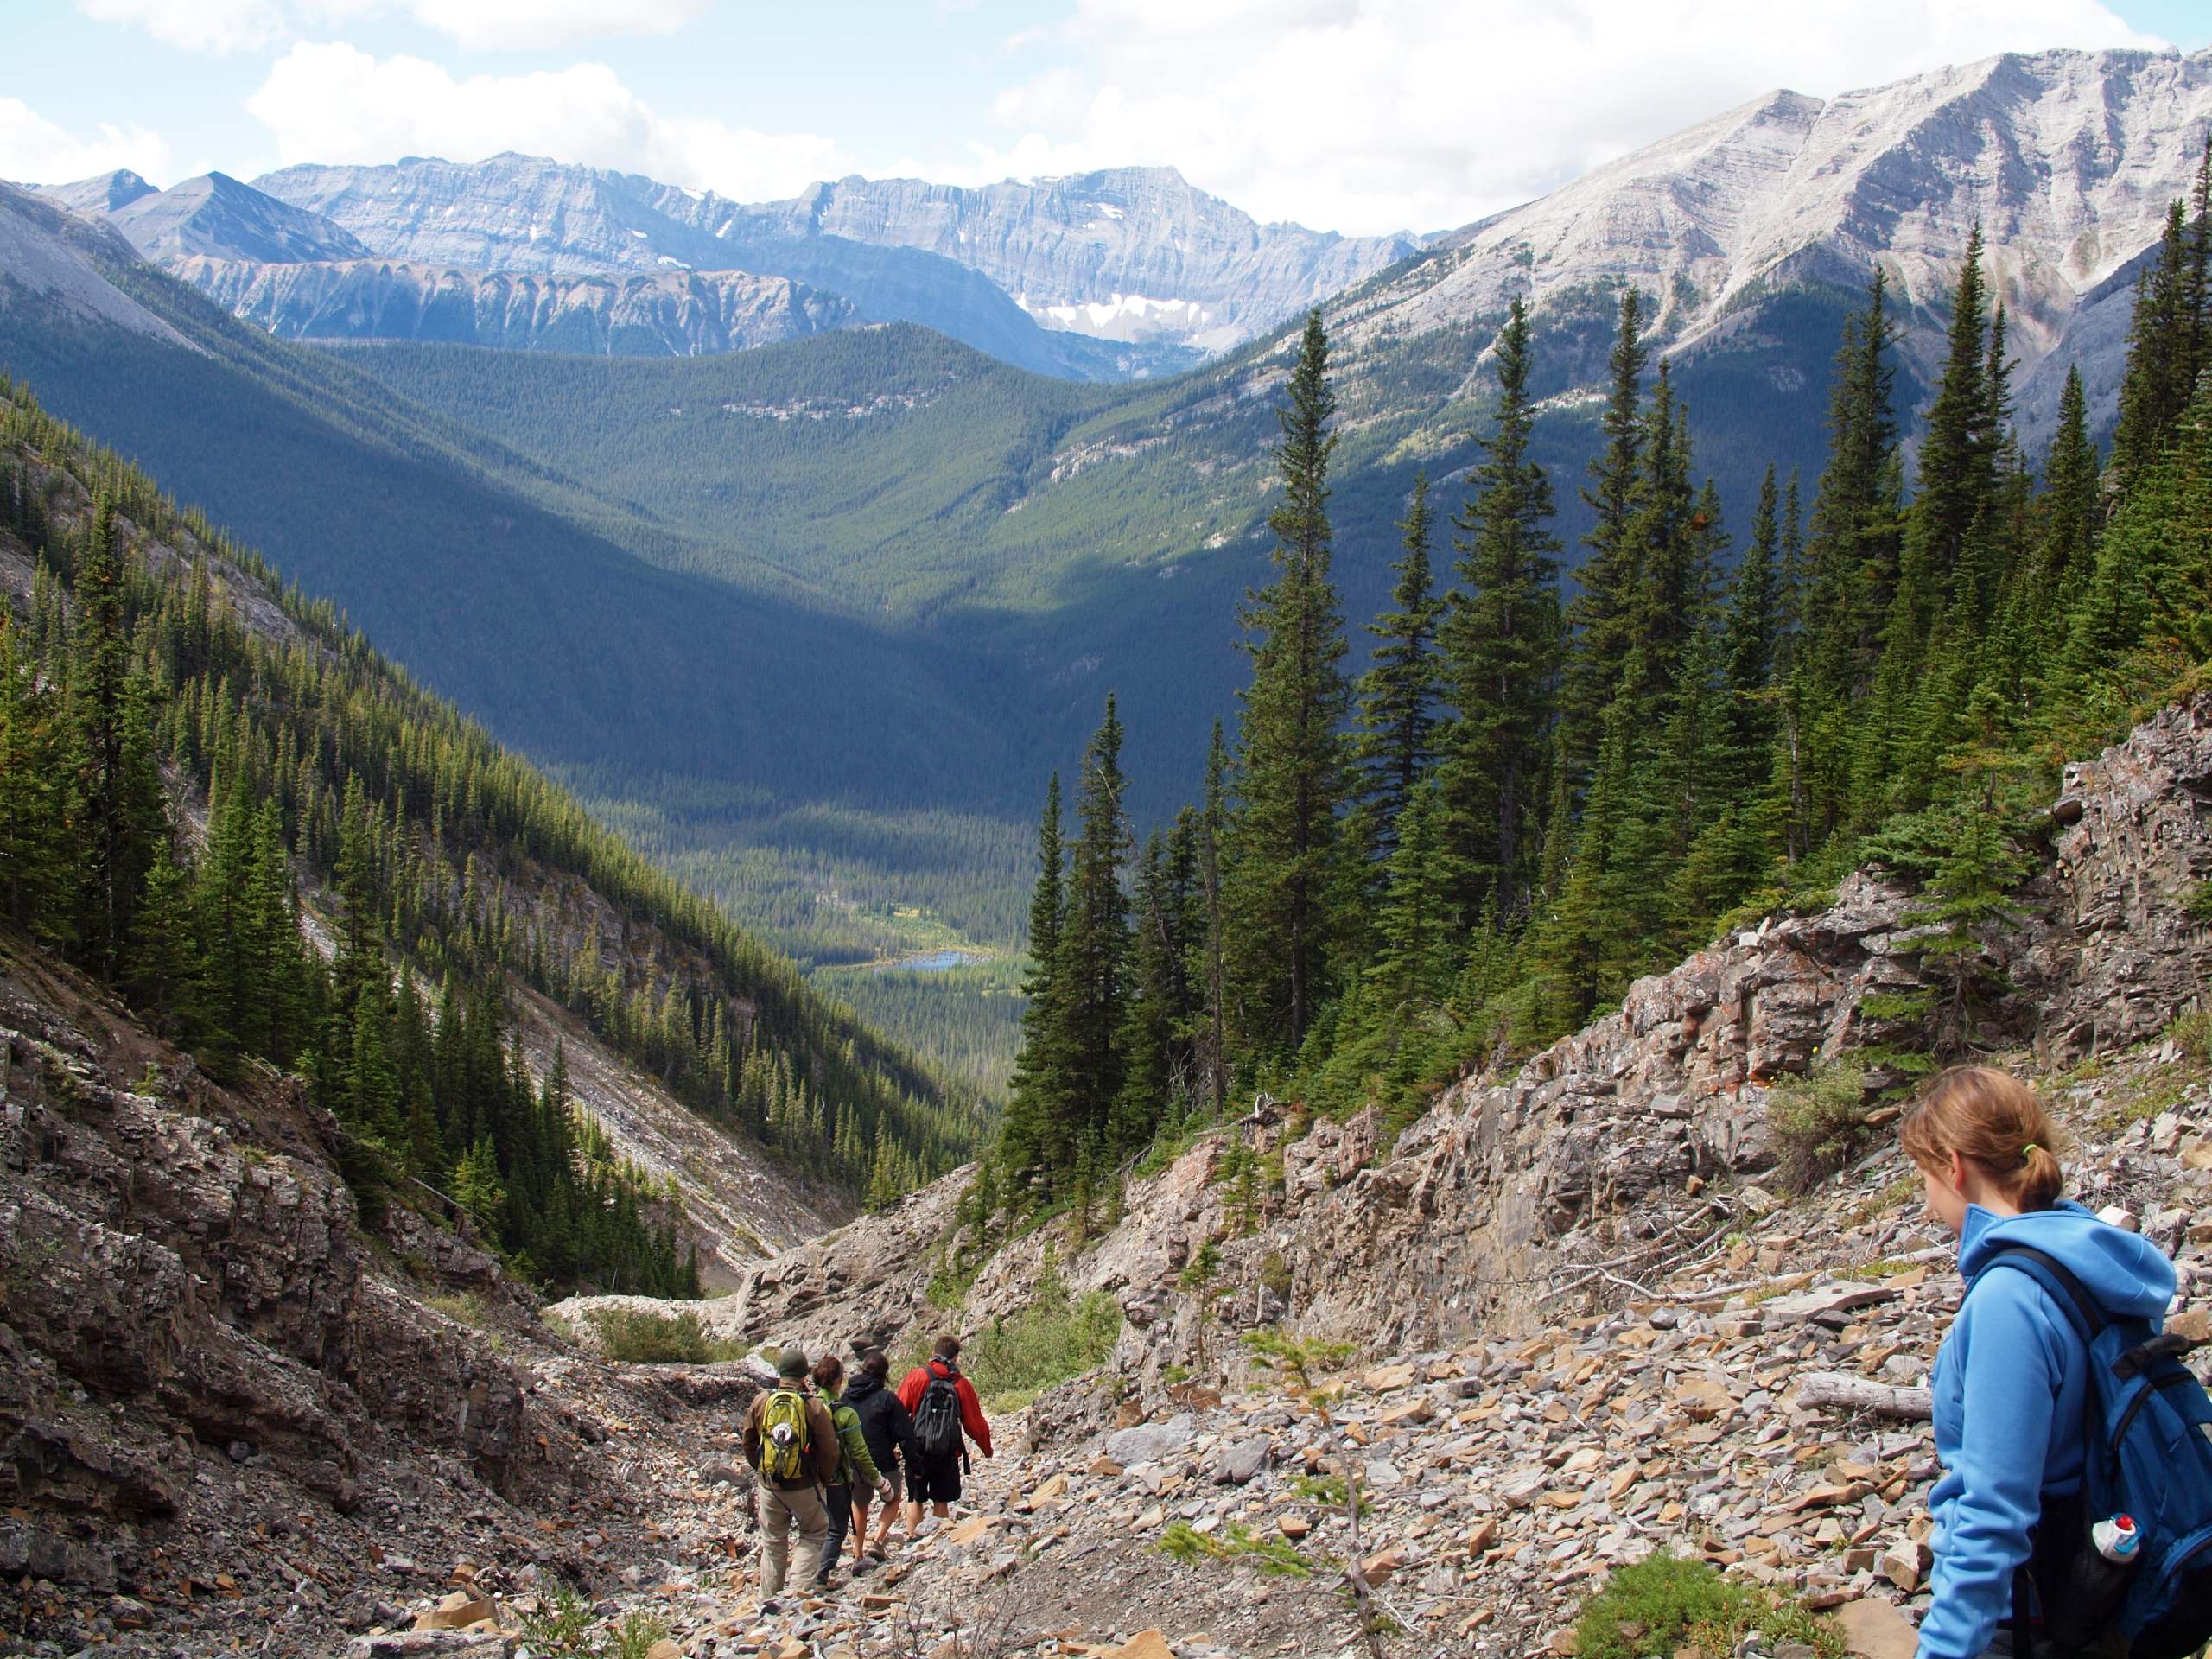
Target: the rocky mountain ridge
pixel 528 215
pixel 2066 159
pixel 1133 253
pixel 673 314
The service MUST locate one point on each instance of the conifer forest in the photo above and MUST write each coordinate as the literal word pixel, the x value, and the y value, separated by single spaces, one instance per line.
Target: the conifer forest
pixel 1445 838
pixel 185 798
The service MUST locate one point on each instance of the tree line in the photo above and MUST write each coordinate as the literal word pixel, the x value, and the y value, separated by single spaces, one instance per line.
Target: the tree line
pixel 457 880
pixel 1526 801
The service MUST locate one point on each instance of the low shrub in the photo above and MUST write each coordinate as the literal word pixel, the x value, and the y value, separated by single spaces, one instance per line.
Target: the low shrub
pixel 565 1627
pixel 1816 1125
pixel 640 1337
pixel 1664 1603
pixel 1057 1337
pixel 468 1308
pixel 2192 1033
pixel 1277 1557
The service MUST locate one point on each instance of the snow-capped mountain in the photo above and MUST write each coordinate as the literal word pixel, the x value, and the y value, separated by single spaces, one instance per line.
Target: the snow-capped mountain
pixel 1131 253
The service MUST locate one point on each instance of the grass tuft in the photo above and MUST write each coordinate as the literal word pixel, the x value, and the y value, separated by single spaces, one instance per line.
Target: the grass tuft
pixel 1665 1603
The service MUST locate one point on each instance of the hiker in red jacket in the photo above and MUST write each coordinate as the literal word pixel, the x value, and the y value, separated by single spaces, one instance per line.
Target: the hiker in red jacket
pixel 943 1406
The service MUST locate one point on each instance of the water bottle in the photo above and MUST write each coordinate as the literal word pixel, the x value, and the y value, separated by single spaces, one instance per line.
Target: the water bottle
pixel 2116 1538
pixel 2079 1610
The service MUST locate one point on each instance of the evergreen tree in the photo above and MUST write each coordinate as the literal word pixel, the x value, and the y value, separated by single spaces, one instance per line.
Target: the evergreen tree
pixel 115 839
pixel 1415 927
pixel 1854 551
pixel 1285 871
pixel 1602 614
pixel 1397 697
pixel 1212 830
pixel 1752 638
pixel 2072 505
pixel 1500 641
pixel 1159 1037
pixel 1671 532
pixel 1958 454
pixel 2162 347
pixel 1791 580
pixel 1090 990
pixel 162 964
pixel 36 867
pixel 1037 1095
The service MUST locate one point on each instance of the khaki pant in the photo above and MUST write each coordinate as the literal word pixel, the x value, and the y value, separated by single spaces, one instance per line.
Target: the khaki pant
pixel 779 1512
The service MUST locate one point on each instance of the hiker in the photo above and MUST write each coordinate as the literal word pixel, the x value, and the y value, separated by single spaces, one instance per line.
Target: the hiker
pixel 943 1406
pixel 889 1434
pixel 791 1440
pixel 2012 1381
pixel 857 1469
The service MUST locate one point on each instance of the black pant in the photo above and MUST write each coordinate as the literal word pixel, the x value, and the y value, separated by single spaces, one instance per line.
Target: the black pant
pixel 839 1503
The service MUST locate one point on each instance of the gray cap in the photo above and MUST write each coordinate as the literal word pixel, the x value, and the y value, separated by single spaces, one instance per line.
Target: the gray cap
pixel 792 1363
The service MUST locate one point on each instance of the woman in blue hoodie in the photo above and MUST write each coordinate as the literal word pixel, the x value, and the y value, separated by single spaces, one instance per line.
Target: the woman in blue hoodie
pixel 2011 1378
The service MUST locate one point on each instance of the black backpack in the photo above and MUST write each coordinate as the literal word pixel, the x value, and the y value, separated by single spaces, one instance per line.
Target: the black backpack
pixel 937 1418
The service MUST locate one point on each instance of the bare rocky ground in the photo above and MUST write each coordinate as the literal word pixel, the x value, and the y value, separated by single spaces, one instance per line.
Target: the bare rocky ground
pixel 1750 1400
pixel 1577 1325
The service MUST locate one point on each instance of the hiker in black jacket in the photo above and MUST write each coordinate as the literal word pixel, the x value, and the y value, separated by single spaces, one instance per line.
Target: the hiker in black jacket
pixel 890 1435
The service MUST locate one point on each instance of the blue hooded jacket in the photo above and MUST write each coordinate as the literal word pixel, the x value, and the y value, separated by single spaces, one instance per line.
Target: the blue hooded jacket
pixel 2009 1388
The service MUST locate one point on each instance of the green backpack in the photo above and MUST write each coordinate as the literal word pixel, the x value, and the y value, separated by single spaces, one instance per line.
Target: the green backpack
pixel 783 1436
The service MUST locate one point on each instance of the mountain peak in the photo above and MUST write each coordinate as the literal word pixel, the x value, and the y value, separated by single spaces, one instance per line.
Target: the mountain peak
pixel 100 194
pixel 212 214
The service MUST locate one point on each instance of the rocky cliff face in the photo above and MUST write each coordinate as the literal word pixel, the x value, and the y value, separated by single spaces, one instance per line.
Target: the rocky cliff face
pixel 673 314
pixel 1133 256
pixel 191 1335
pixel 1132 253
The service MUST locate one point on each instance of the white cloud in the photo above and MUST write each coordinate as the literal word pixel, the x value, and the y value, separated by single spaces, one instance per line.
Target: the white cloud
pixel 473 25
pixel 1379 115
pixel 196 25
pixel 34 151
pixel 548 25
pixel 335 103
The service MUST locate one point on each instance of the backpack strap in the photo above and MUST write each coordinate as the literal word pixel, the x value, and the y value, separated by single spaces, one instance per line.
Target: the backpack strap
pixel 2083 1311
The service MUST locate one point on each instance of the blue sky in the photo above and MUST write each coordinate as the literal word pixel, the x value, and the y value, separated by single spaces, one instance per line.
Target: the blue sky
pixel 1358 115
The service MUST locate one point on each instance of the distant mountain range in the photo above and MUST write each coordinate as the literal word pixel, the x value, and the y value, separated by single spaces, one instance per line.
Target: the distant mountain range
pixel 1100 276
pixel 2066 159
